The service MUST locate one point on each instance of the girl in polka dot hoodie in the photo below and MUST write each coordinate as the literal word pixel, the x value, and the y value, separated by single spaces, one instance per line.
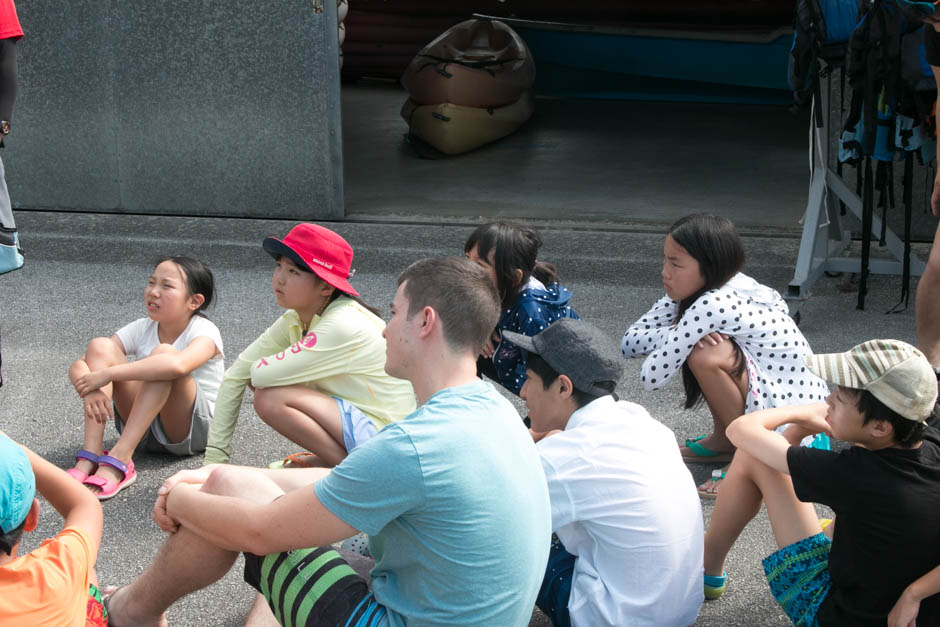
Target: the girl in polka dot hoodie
pixel 730 336
pixel 531 297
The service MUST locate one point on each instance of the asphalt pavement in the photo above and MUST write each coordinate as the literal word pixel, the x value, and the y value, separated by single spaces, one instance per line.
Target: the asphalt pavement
pixel 85 274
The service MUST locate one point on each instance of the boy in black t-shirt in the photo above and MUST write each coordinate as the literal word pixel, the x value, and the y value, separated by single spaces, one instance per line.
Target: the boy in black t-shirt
pixel 885 490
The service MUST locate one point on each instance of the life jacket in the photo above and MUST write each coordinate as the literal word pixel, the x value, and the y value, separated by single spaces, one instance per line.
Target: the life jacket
pixel 892 90
pixel 820 30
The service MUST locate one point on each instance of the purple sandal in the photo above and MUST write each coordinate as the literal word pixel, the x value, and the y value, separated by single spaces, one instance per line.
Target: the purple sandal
pixel 110 488
pixel 77 474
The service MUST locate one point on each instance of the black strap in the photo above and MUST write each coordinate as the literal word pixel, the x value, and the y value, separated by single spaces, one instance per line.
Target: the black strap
pixel 867 213
pixel 908 200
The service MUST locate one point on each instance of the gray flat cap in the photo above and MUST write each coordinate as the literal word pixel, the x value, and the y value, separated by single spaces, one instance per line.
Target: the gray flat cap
pixel 576 349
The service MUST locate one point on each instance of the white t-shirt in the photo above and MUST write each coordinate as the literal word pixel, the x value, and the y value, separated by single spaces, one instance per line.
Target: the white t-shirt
pixel 140 338
pixel 625 504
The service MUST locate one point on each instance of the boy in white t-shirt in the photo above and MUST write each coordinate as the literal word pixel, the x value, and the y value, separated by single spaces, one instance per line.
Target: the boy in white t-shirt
pixel 628 525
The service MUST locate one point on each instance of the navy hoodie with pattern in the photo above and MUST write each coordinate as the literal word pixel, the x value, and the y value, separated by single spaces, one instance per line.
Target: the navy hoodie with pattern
pixel 534 309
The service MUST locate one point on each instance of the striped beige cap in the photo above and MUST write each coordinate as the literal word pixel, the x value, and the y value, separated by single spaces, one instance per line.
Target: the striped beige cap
pixel 895 372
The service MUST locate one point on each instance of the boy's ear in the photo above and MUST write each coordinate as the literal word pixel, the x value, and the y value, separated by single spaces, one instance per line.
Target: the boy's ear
pixel 429 321
pixel 882 429
pixel 32 518
pixel 565 386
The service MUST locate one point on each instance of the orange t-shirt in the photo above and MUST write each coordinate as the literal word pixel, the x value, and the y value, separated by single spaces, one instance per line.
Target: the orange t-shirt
pixel 50 585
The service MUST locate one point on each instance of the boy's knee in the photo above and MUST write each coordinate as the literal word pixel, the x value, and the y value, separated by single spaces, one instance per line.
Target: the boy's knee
pixel 222 481
pixel 244 483
pixel 163 349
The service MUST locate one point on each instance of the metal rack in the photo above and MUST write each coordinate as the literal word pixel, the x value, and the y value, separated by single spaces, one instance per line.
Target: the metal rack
pixel 824 242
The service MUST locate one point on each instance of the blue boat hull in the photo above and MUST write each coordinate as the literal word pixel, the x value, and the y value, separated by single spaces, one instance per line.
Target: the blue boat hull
pixel 576 61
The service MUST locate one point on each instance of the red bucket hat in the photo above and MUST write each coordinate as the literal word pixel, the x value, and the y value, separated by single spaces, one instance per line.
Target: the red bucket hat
pixel 319 250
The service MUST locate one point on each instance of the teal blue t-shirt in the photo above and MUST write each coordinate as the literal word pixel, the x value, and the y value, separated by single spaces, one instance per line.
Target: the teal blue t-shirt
pixel 456 507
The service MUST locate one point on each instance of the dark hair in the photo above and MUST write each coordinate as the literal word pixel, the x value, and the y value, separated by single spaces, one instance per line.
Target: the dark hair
pixel 907 432
pixel 199 279
pixel 548 375
pixel 715 244
pixel 336 291
pixel 515 246
pixel 460 292
pixel 11 538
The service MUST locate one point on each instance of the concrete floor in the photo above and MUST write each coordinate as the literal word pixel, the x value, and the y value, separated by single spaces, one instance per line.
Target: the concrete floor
pixel 585 160
pixel 85 275
pixel 607 162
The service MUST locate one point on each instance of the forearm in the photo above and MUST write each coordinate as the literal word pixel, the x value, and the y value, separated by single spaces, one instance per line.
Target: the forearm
pixel 164 367
pixel 925 586
pixel 225 419
pixel 228 522
pixel 62 492
pixel 765 419
pixel 297 365
pixel 754 434
pixel 72 500
pixel 289 521
pixel 650 331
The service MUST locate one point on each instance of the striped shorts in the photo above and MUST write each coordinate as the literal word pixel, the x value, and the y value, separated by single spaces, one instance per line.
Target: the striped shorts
pixel 309 587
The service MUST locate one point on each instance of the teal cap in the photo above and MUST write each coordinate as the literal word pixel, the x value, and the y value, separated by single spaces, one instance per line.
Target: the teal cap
pixel 17 485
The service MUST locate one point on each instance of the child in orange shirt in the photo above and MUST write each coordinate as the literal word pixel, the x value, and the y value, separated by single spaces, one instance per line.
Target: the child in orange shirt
pixel 55 584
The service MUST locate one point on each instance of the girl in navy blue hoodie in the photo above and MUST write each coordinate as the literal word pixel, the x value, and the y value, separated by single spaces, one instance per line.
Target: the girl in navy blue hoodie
pixel 531 296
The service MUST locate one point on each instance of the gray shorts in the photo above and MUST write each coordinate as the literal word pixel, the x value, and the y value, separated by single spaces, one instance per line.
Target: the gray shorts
pixel 156 440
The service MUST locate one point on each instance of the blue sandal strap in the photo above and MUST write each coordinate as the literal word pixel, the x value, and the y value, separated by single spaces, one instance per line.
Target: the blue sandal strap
pixel 114 462
pixel 87 455
pixel 713 581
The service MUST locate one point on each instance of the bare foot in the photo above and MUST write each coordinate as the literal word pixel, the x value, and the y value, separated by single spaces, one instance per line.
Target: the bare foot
pixel 120 613
pixel 709 489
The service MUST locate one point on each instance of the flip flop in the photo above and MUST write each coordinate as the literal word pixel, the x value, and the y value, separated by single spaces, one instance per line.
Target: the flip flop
pixel 715 586
pixel 295 460
pixel 77 474
pixel 109 488
pixel 704 493
pixel 703 454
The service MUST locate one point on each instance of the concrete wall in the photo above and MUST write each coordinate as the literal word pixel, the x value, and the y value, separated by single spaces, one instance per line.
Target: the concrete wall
pixel 198 107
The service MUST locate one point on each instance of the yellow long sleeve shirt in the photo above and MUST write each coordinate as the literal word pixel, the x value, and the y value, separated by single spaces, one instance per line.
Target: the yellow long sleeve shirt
pixel 342 355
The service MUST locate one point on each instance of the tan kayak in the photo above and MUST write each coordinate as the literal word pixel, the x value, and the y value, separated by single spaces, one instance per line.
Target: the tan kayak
pixel 477 63
pixel 454 129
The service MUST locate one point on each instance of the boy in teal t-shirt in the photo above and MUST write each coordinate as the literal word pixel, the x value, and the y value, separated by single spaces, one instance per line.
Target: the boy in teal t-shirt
pixel 455 504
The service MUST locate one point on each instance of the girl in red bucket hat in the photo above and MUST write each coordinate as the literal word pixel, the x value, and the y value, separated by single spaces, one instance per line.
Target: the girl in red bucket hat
pixel 318 372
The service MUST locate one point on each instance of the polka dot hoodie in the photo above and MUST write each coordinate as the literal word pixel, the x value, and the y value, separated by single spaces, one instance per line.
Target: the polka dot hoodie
pixel 753 315
pixel 534 309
